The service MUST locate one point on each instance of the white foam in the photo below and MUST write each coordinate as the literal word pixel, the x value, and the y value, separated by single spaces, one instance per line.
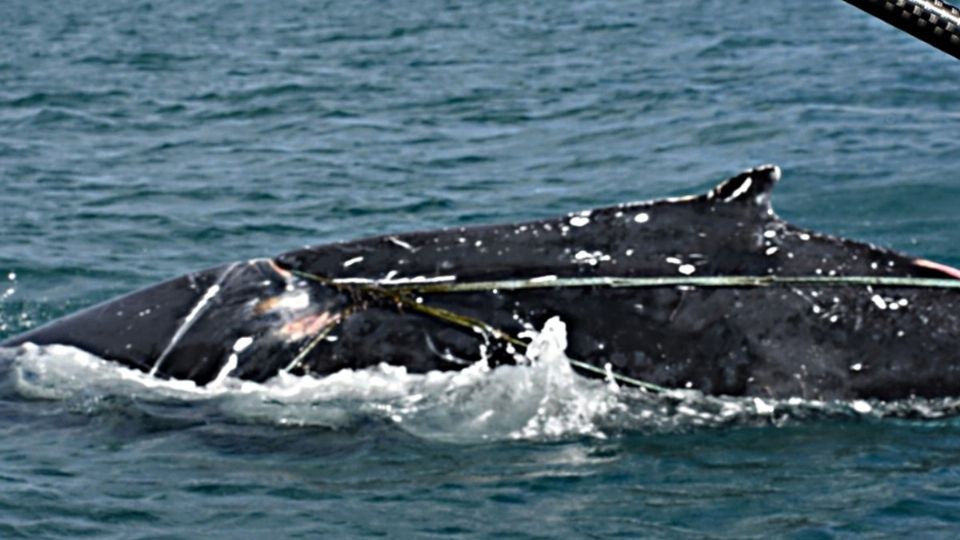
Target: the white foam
pixel 540 398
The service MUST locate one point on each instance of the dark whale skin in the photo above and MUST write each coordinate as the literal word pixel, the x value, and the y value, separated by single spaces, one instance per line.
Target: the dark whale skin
pixel 254 319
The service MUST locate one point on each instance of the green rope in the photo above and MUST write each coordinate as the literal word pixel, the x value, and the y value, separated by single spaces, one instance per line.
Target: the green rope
pixel 677 281
pixel 401 298
pixel 469 322
pixel 400 294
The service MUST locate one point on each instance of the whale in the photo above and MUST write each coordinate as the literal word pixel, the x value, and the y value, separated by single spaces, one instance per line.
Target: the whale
pixel 711 292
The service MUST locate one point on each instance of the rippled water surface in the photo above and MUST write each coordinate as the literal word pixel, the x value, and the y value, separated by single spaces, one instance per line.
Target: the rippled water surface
pixel 140 140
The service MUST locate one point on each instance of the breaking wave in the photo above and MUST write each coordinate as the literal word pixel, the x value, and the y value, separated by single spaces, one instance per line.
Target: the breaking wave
pixel 541 398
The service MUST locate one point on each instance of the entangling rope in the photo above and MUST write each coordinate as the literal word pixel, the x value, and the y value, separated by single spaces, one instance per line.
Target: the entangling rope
pixel 678 281
pixel 403 294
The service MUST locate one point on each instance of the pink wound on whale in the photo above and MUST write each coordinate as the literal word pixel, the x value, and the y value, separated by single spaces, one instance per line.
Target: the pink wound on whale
pixel 307 326
pixel 948 270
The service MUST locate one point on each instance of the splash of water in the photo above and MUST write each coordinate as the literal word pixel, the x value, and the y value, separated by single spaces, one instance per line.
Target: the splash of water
pixel 540 398
pixel 7 290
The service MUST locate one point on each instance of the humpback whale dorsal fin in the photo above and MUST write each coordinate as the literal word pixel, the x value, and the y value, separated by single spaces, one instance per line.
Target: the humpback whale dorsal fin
pixel 752 187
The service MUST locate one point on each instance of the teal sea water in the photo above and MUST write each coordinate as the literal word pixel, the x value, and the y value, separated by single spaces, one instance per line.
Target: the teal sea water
pixel 141 139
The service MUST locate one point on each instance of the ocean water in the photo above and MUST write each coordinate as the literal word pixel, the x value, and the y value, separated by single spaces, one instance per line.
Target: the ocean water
pixel 140 140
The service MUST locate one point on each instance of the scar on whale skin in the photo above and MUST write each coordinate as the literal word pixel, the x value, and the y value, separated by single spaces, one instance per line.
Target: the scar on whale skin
pixel 308 325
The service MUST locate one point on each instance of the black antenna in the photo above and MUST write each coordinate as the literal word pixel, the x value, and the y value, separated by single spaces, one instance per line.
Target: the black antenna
pixel 933 21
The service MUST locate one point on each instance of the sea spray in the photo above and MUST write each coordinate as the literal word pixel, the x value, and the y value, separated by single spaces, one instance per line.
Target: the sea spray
pixel 540 398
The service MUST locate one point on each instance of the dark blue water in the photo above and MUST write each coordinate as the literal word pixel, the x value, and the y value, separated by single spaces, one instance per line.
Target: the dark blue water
pixel 140 140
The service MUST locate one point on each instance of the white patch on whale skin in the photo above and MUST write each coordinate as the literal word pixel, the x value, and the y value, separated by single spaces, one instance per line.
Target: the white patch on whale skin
pixel 416 279
pixel 681 198
pixel 192 317
pixel 242 343
pixel 398 242
pixel 391 279
pixel 357 280
pixel 580 219
pixel 230 365
pixel 741 189
pixel 878 301
pixel 207 297
pixel 591 258
pixel 543 279
pixel 687 269
pixel 351 262
pixel 642 217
